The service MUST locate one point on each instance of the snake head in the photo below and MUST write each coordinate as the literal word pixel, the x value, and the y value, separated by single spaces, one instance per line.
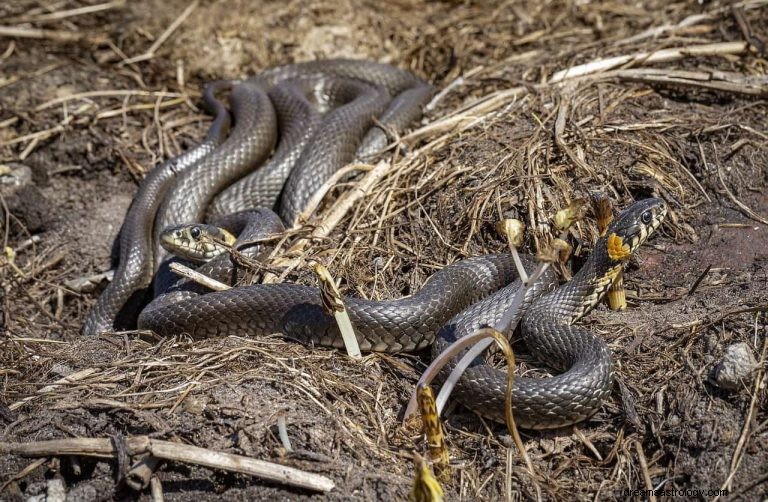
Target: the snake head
pixel 196 242
pixel 633 226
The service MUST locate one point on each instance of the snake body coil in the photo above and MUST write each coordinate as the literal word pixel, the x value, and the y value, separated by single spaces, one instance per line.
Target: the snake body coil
pixel 338 101
pixel 137 263
pixel 336 93
pixel 455 302
pixel 548 331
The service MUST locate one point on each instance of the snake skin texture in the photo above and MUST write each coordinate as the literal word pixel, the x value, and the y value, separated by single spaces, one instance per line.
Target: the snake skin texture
pixel 547 330
pixel 455 302
pixel 402 325
pixel 409 92
pixel 137 258
pixel 476 292
pixel 252 139
pixel 251 226
pixel 298 118
pixel 341 132
pixel 289 102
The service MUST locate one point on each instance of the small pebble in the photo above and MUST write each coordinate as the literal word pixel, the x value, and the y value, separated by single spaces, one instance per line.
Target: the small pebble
pixel 736 367
pixel 506 440
pixel 61 370
pixel 15 175
pixel 23 199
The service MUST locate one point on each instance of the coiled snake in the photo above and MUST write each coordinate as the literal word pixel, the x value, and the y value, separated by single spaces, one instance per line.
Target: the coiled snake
pixel 325 111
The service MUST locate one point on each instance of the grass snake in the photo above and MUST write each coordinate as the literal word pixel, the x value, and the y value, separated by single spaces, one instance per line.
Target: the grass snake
pixel 323 113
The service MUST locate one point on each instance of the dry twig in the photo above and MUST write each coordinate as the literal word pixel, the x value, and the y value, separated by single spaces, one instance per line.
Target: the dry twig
pixel 55 35
pixel 166 450
pixel 150 53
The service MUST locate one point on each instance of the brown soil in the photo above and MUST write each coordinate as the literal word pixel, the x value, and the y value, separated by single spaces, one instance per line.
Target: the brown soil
pixel 703 150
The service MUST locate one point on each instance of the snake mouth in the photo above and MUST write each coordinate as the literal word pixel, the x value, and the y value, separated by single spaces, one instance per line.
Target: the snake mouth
pixel 199 243
pixel 634 225
pixel 177 243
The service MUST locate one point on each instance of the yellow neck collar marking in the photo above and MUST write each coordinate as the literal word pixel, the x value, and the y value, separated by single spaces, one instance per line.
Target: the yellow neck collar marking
pixel 228 238
pixel 617 250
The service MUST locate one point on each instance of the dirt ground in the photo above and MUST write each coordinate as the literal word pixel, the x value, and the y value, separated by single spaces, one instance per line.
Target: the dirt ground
pixel 88 118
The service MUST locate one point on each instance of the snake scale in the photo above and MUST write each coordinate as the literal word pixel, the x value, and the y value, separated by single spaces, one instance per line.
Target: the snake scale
pixel 299 124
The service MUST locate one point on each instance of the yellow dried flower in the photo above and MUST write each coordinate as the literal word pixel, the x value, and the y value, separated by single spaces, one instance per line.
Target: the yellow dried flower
pixel 512 229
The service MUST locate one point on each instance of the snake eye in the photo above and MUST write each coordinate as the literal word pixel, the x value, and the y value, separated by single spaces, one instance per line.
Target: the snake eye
pixel 195 232
pixel 646 217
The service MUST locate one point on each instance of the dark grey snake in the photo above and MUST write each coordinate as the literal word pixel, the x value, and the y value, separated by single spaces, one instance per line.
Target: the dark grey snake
pixel 341 97
pixel 453 303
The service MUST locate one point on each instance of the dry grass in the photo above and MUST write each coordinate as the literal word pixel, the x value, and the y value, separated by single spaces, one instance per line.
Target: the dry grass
pixel 508 137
